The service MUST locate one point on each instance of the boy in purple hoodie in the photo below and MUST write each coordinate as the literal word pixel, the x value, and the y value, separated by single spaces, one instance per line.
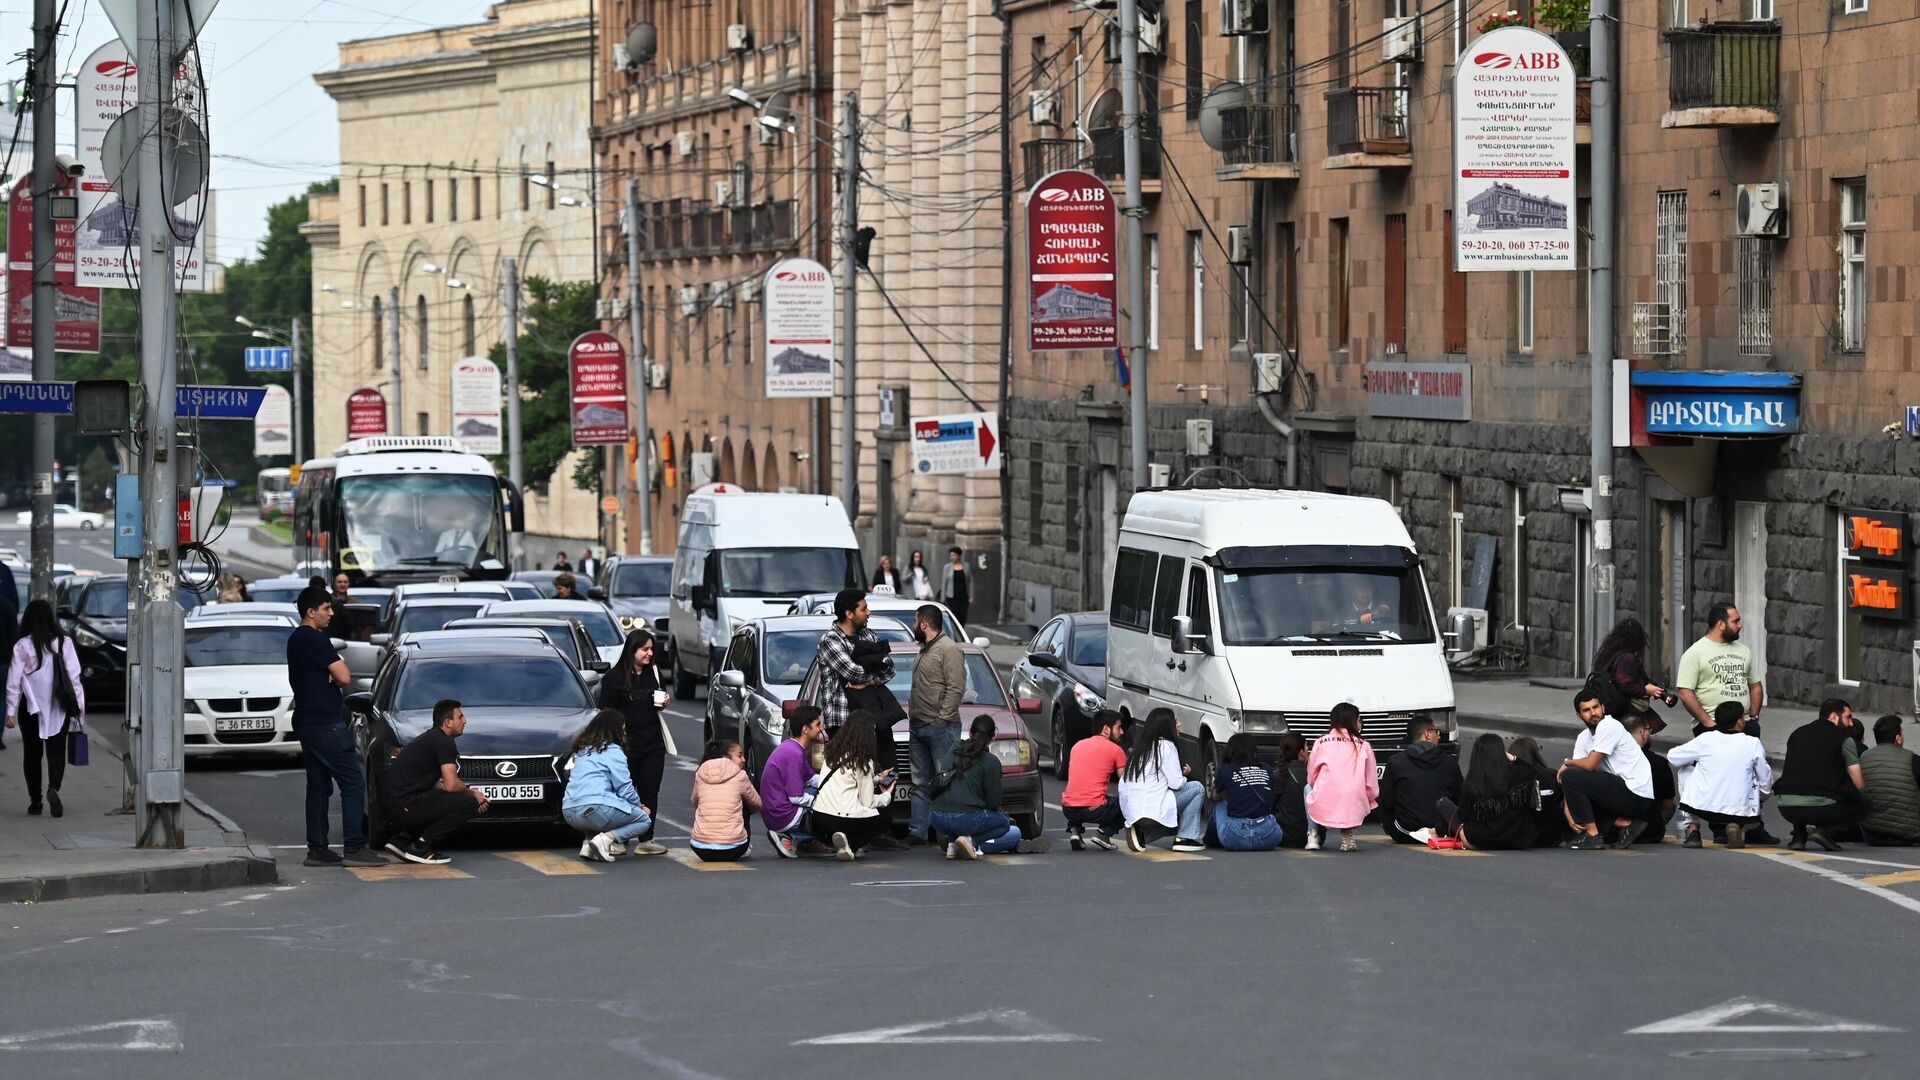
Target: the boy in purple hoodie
pixel 784 779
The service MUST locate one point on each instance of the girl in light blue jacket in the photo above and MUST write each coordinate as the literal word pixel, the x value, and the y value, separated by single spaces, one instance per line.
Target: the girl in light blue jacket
pixel 600 800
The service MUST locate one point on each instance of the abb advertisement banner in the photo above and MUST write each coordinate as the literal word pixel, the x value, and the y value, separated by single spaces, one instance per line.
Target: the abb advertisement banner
pixel 366 413
pixel 476 404
pixel 1513 149
pixel 597 379
pixel 273 424
pixel 1070 263
pixel 76 326
pixel 799 300
pixel 107 242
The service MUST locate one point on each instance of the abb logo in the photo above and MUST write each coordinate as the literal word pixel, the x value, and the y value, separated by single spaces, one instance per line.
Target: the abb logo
pixel 119 69
pixel 801 275
pixel 1087 194
pixel 786 275
pixel 1536 61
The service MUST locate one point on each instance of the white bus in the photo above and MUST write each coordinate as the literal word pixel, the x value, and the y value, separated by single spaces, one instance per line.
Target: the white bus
pixel 276 490
pixel 393 509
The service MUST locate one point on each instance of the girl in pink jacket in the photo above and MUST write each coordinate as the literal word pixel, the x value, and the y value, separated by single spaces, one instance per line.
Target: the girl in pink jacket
pixel 723 797
pixel 1342 786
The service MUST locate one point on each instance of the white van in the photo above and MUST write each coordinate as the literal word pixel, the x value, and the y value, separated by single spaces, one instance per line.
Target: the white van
pixel 1258 611
pixel 745 555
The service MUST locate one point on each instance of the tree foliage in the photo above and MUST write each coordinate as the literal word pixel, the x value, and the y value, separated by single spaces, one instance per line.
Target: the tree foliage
pixel 552 315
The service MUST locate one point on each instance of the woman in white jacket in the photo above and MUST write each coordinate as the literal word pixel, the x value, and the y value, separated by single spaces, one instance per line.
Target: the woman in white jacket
pixel 851 805
pixel 1724 775
pixel 1154 787
pixel 36 701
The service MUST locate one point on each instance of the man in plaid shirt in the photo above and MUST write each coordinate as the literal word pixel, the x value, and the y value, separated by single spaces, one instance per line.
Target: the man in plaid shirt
pixel 836 657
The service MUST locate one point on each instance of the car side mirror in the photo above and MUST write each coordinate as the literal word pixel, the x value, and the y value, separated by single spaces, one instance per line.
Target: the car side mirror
pixel 732 680
pixel 597 593
pixel 1044 660
pixel 1028 705
pixel 789 707
pixel 1182 633
pixel 599 666
pixel 380 640
pixel 982 642
pixel 360 702
pixel 702 600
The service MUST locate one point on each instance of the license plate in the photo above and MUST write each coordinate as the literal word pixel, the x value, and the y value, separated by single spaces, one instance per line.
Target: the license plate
pixel 245 723
pixel 512 792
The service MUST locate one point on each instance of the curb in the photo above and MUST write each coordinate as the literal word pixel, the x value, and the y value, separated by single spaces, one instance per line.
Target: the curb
pixel 226 872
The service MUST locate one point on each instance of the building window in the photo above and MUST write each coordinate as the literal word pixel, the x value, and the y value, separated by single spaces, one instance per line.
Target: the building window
pixel 1195 60
pixel 1756 295
pixel 469 329
pixel 1523 311
pixel 1396 284
pixel 429 202
pixel 385 218
pixel 406 202
pixel 1240 282
pixel 1342 271
pixel 379 334
pixel 1674 11
pixel 1456 544
pixel 1856 7
pixel 1453 299
pixel 421 422
pixel 1390 490
pixel 1517 554
pixel 1853 264
pixel 1670 264
pixel 526 189
pixel 552 185
pixel 363 206
pixel 1197 289
pixel 1153 292
pixel 1287 312
pixel 453 196
pixel 420 318
pixel 1342 43
pixel 1763 10
pixel 476 197
pixel 1849 650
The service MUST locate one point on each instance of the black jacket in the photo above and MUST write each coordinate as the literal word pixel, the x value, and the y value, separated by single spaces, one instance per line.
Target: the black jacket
pixel 877 699
pixel 1816 764
pixel 635 701
pixel 1290 803
pixel 1416 779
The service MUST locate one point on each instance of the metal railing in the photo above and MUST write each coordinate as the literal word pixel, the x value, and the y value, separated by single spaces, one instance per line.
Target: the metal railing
pixel 1039 157
pixel 1728 65
pixel 1108 159
pixel 1261 133
pixel 1367 120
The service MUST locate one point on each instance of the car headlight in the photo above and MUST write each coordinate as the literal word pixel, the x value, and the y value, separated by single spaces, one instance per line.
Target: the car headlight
pixel 86 637
pixel 1012 751
pixel 1263 722
pixel 734 625
pixel 627 622
pixel 1089 702
pixel 773 724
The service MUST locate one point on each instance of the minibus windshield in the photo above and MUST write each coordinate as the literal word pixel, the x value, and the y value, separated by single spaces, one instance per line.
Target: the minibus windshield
pixel 1304 604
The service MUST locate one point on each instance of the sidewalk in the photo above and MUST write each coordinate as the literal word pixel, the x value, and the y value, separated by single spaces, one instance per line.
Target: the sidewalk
pixel 90 852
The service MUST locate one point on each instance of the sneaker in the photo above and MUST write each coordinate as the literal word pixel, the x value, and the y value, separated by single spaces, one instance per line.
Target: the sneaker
pixel 1347 841
pixel 1132 837
pixel 915 839
pixel 951 853
pixel 1184 844
pixel 586 848
pixel 1038 845
pixel 53 803
pixel 362 857
pixel 964 845
pixel 321 856
pixel 646 847
pixel 1589 842
pixel 1692 840
pixel 783 845
pixel 602 846
pixel 1076 841
pixel 1100 840
pixel 1758 836
pixel 1797 841
pixel 398 845
pixel 1820 837
pixel 1629 834
pixel 1736 837
pixel 1313 838
pixel 842 850
pixel 33 808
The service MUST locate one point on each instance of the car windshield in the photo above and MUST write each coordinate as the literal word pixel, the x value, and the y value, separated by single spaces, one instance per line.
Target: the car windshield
pixel 415 521
pixel 220 646
pixel 983 687
pixel 108 600
pixel 493 682
pixel 1261 606
pixel 415 618
pixel 787 571
pixel 641 579
pixel 600 625
pixel 1089 645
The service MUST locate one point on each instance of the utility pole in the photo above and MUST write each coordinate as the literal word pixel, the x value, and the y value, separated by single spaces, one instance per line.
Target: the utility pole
pixel 849 306
pixel 158 636
pixel 45 298
pixel 1129 16
pixel 637 372
pixel 393 354
pixel 510 286
pixel 1600 343
pixel 299 399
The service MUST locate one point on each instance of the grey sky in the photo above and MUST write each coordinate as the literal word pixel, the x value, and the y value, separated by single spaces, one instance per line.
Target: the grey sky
pixel 260 59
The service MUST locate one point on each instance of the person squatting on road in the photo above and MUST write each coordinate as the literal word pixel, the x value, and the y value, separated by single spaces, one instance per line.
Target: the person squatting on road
pixel 848 808
pixel 315 673
pixel 1821 784
pixel 723 799
pixel 600 799
pixel 1156 798
pixel 1243 791
pixel 1892 773
pixel 432 799
pixel 633 689
pixel 1342 787
pixel 1417 778
pixel 1607 772
pixel 1723 776
pixel 783 784
pixel 966 806
pixel 1093 764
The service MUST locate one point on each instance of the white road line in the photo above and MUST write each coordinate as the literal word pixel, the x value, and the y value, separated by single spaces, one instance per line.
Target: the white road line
pixel 1905 901
pixel 157 922
pixel 1851 858
pixel 124 930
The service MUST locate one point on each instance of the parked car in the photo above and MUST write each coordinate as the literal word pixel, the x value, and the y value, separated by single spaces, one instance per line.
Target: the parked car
pixel 566 635
pixel 1065 666
pixel 413 616
pixel 1020 773
pixel 764 664
pixel 94 611
pixel 900 607
pixel 245 609
pixel 542 583
pixel 420 590
pixel 593 616
pixel 65 516
pixel 237 695
pixel 524 703
pixel 636 588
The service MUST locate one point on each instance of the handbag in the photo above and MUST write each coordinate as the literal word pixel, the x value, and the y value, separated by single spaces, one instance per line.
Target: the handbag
pixel 63 693
pixel 813 828
pixel 76 741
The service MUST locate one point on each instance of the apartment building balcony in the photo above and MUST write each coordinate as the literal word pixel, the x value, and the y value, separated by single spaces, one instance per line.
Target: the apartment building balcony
pixel 1039 157
pixel 1367 128
pixel 1262 141
pixel 1108 160
pixel 1725 75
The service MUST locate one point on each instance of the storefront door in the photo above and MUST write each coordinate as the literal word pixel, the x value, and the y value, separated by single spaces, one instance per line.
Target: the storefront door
pixel 1750 576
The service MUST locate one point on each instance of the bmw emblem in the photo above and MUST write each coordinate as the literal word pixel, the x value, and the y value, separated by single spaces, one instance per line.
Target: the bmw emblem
pixel 507 769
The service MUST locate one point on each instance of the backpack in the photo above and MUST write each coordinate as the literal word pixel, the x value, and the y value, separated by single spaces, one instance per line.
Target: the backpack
pixel 1602 684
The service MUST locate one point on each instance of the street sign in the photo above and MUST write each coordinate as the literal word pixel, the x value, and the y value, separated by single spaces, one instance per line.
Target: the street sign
pixel 609 505
pixel 1071 284
pixel 1513 153
pixel 799 306
pixel 219 402
pixel 956 443
pixel 270 358
pixel 36 397
pixel 597 380
pixel 366 413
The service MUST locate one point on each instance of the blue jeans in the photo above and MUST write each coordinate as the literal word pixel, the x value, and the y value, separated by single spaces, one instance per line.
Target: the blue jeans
pixel 625 824
pixel 1245 834
pixel 330 759
pixel 1191 799
pixel 992 830
pixel 927 746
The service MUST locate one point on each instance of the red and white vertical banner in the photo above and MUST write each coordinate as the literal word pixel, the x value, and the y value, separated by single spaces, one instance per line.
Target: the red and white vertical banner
pixel 1514 94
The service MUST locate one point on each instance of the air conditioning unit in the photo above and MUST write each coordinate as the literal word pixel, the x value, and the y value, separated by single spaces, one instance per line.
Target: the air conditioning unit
pixel 602 310
pixel 749 291
pixel 689 300
pixel 1400 39
pixel 739 38
pixel 723 193
pixel 1242 17
pixel 622 60
pixel 656 375
pixel 1239 244
pixel 1654 332
pixel 1159 475
pixel 1152 36
pixel 684 142
pixel 1760 209
pixel 1467 631
pixel 1043 107
pixel 617 308
pixel 720 294
pixel 1199 437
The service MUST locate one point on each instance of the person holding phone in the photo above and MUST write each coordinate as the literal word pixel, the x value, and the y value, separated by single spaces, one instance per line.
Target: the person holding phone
pixel 849 808
pixel 633 689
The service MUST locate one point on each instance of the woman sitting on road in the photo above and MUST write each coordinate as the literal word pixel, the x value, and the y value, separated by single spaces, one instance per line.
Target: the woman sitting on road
pixel 1550 821
pixel 1243 793
pixel 1342 786
pixel 600 800
pixel 1498 800
pixel 1290 790
pixel 723 796
pixel 849 805
pixel 1156 797
pixel 966 808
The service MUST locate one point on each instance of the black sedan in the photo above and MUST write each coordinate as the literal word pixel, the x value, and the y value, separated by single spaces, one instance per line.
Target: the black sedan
pixel 94 611
pixel 1066 667
pixel 524 703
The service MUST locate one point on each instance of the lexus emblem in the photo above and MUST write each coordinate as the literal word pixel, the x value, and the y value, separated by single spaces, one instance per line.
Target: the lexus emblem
pixel 507 769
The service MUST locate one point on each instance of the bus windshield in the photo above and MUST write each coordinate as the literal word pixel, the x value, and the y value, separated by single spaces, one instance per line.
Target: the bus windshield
pixel 1302 604
pixel 420 522
pixel 787 571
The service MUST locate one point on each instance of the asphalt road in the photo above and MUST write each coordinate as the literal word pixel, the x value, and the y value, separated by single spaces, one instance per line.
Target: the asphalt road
pixel 92 549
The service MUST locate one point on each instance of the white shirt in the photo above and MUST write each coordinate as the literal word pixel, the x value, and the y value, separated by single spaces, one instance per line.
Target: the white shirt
pixel 30 682
pixel 1150 797
pixel 1623 757
pixel 849 793
pixel 1730 774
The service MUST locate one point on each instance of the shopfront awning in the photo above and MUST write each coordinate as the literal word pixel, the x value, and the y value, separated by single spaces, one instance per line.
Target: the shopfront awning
pixel 1676 420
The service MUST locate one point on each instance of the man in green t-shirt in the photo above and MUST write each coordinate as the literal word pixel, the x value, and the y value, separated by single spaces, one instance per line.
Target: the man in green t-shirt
pixel 1716 669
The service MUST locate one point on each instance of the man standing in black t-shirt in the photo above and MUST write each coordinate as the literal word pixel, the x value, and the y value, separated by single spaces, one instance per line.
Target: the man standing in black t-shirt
pixel 426 782
pixel 316 673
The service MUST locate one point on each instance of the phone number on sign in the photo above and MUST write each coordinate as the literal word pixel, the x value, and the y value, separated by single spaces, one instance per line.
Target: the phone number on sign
pixel 1515 245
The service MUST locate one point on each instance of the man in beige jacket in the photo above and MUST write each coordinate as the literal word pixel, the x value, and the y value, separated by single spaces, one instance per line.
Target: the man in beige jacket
pixel 933 710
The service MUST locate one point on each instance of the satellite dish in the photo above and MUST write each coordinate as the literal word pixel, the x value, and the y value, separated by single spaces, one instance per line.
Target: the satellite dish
pixel 1104 113
pixel 779 106
pixel 189 18
pixel 120 154
pixel 1222 132
pixel 643 41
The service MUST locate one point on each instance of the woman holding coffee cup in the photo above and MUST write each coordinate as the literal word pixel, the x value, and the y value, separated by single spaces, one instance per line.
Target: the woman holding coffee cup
pixel 633 687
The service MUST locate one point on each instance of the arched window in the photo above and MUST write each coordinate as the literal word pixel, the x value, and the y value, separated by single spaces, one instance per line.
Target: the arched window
pixel 379 340
pixel 468 335
pixel 420 316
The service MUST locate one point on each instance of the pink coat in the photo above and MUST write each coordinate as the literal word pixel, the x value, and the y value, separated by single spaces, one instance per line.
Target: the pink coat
pixel 1342 786
pixel 723 796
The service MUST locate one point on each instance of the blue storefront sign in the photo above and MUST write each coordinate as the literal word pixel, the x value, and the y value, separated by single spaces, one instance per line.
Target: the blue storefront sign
pixel 1722 404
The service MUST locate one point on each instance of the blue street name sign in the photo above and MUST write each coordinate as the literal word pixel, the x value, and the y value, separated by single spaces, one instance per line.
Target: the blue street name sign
pixel 205 402
pixel 271 358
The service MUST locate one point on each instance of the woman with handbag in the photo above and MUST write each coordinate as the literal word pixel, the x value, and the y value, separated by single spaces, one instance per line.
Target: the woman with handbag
pixel 851 807
pixel 1621 664
pixel 633 689
pixel 44 694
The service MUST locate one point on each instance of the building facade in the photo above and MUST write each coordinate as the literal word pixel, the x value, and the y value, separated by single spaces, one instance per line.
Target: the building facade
pixel 460 147
pixel 1761 227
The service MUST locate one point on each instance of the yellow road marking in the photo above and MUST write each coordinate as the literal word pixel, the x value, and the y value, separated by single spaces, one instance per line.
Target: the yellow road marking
pixel 407 872
pixel 685 857
pixel 1901 877
pixel 546 862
